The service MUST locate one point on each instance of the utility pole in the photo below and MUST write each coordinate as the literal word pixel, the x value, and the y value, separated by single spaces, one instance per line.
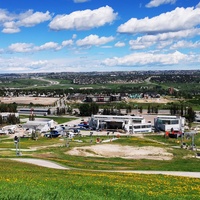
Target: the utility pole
pixel 17 146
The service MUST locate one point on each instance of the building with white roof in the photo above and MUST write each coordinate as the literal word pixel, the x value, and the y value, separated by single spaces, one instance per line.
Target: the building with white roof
pixel 128 123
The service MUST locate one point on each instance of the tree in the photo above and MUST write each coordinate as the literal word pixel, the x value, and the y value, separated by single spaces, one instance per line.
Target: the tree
pixel 84 109
pixel 88 109
pixel 140 109
pixel 94 108
pixel 190 116
pixel 149 109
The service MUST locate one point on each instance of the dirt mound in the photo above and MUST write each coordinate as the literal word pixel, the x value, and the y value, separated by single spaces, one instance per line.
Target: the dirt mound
pixel 127 152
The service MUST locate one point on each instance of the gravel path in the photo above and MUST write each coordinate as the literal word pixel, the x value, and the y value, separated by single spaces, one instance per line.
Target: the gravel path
pixel 50 164
pixel 40 162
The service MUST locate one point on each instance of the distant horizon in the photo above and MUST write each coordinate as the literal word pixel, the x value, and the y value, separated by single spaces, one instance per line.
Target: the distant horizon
pixel 91 35
pixel 102 71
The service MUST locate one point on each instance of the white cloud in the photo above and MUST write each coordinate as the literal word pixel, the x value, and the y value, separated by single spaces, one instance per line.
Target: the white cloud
pixel 67 43
pixel 20 47
pixel 185 44
pixel 30 48
pixel 164 44
pixel 120 44
pixel 138 61
pixel 5 16
pixel 74 36
pixel 198 5
pixel 30 18
pixel 161 40
pixel 139 44
pixel 84 20
pixel 156 3
pixel 11 30
pixel 48 46
pixel 145 59
pixel 94 40
pixel 176 20
pixel 11 23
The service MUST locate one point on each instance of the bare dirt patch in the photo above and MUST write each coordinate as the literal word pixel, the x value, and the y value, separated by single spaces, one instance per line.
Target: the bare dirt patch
pixel 126 152
pixel 151 100
pixel 28 100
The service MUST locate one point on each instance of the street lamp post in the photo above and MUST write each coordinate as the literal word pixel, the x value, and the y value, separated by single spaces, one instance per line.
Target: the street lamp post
pixel 17 146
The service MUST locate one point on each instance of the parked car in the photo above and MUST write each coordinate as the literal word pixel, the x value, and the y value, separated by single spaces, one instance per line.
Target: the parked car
pixel 52 135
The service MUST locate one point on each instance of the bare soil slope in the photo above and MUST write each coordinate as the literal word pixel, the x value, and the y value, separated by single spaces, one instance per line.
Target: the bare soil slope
pixel 127 152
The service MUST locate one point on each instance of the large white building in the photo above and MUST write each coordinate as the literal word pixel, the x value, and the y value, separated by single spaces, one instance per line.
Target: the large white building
pixel 167 123
pixel 130 124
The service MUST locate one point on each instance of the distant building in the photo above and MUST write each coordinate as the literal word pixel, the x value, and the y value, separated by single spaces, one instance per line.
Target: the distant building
pixel 168 123
pixel 34 111
pixel 5 115
pixel 130 124
pixel 197 118
pixel 40 124
pixel 95 98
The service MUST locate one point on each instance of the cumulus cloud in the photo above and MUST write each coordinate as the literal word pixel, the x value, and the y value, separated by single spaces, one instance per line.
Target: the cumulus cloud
pixel 176 20
pixel 11 23
pixel 145 59
pixel 140 44
pixel 185 44
pixel 84 20
pixel 48 46
pixel 162 40
pixel 29 18
pixel 120 44
pixel 6 16
pixel 30 48
pixel 20 47
pixel 94 40
pixel 156 3
pixel 67 43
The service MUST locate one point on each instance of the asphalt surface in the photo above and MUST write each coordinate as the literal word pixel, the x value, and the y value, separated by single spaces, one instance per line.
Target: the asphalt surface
pixel 49 164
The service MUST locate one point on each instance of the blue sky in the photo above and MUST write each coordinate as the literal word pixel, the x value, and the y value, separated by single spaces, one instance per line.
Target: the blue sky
pixel 99 35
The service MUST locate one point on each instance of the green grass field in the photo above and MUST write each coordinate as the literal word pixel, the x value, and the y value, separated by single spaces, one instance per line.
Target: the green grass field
pixel 57 119
pixel 23 83
pixel 87 178
pixel 28 182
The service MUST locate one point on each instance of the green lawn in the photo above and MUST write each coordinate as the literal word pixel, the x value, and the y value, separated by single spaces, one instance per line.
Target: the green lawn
pixel 55 149
pixel 58 119
pixel 28 182
pixel 23 83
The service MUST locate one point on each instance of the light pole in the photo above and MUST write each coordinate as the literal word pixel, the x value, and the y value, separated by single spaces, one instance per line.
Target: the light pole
pixel 17 146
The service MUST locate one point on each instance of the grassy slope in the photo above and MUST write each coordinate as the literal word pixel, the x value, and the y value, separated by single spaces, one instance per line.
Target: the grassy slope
pixel 182 159
pixel 24 181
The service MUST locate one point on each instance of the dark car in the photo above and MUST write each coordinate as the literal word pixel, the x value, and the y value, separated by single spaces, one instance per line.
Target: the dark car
pixel 52 135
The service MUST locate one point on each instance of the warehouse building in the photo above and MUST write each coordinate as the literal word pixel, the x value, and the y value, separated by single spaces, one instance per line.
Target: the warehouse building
pixel 130 124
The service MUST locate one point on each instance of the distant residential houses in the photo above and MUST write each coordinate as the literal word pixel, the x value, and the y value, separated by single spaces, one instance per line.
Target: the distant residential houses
pixel 102 98
pixel 144 95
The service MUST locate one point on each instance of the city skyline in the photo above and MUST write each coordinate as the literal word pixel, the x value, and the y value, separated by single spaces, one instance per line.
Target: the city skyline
pixel 93 35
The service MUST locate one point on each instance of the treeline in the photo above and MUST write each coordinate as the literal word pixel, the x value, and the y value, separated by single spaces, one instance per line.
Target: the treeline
pixel 88 109
pixel 11 108
pixel 123 90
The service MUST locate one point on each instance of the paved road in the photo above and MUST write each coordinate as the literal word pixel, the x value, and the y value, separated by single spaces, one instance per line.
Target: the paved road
pixel 40 162
pixel 49 164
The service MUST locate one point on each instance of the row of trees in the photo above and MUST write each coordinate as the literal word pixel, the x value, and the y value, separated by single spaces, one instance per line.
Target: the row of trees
pixel 88 109
pixel 175 109
pixel 12 108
